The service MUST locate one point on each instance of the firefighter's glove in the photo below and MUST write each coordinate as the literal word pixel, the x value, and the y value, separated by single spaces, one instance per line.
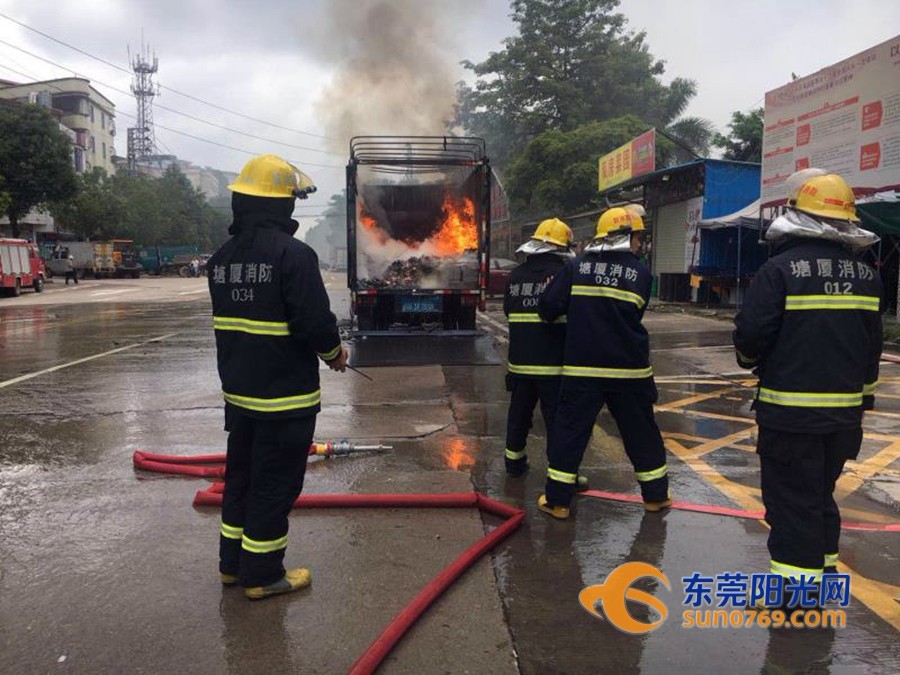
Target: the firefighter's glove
pixel 339 363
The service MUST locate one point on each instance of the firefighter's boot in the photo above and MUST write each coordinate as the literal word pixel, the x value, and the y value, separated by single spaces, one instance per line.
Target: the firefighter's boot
pixel 653 507
pixel 558 512
pixel 293 580
pixel 228 579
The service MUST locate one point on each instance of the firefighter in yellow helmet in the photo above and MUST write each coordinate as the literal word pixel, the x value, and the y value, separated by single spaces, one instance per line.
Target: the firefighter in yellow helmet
pixel 810 327
pixel 535 347
pixel 272 323
pixel 603 295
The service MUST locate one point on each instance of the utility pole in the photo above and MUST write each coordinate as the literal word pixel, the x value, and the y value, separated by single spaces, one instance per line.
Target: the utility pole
pixel 141 137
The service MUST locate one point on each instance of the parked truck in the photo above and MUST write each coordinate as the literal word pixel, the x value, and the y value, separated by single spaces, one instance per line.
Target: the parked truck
pixel 94 258
pixel 418 223
pixel 163 259
pixel 125 258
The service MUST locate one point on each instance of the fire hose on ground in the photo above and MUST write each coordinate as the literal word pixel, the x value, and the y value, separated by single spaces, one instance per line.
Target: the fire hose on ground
pixel 192 465
pixel 398 627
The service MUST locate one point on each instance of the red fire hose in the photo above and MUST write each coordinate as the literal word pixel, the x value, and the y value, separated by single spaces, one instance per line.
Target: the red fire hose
pixel 397 628
pixel 735 513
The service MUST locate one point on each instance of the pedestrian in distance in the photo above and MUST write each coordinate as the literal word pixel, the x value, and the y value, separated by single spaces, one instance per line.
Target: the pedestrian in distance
pixel 535 347
pixel 272 321
pixel 195 267
pixel 606 362
pixel 810 328
pixel 71 272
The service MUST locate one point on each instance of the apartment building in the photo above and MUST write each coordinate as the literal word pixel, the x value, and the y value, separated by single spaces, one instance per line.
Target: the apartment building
pixel 83 109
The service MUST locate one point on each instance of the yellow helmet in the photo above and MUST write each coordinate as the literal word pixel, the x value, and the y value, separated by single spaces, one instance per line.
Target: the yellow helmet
pixel 554 231
pixel 271 176
pixel 618 220
pixel 827 196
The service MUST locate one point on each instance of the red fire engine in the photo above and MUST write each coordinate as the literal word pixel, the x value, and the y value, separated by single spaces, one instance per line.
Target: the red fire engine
pixel 20 266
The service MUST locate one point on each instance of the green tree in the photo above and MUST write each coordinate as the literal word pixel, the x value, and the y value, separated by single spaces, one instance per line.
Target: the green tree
pixel 745 134
pixel 96 210
pixel 35 161
pixel 570 64
pixel 696 133
pixel 165 210
pixel 557 172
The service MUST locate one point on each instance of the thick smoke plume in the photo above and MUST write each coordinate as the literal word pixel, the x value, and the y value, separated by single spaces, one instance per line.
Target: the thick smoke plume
pixel 395 74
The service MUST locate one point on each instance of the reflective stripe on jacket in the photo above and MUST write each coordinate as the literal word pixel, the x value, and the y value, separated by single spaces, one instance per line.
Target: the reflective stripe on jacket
pixel 811 324
pixel 535 346
pixel 603 297
pixel 272 318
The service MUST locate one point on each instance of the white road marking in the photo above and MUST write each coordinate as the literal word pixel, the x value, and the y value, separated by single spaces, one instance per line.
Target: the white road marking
pixel 493 322
pixel 29 376
pixel 199 290
pixel 97 294
pixel 500 333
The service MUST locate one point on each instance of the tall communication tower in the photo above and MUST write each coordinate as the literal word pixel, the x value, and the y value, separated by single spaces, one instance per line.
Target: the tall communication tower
pixel 141 137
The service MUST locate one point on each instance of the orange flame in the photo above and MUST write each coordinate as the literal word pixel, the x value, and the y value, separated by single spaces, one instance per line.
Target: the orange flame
pixel 458 230
pixel 368 221
pixel 457 454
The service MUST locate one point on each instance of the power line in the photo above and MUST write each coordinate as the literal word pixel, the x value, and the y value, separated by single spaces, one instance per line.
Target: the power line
pixel 174 131
pixel 172 110
pixel 174 91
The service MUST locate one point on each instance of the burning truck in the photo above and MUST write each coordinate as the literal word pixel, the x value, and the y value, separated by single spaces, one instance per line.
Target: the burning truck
pixel 418 218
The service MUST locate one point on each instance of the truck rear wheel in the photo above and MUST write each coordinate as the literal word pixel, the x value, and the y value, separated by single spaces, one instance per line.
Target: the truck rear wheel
pixel 467 318
pixel 17 289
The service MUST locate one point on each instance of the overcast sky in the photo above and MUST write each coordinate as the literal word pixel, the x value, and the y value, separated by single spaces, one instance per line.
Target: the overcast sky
pixel 284 62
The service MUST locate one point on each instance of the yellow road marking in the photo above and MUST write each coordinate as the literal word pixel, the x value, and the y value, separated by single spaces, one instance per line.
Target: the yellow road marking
pixel 875 595
pixel 849 483
pixel 714 444
pixel 697 398
pixel 708 415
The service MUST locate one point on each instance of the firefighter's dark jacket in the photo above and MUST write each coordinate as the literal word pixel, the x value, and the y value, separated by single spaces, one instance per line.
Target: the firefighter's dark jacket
pixel 272 318
pixel 535 346
pixel 810 326
pixel 604 296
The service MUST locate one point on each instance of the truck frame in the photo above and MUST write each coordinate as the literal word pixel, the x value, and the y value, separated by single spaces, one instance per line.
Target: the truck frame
pixel 404 178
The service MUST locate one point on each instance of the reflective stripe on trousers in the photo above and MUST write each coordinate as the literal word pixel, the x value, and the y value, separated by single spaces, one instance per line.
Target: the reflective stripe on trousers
pixel 616 373
pixel 231 532
pixel 655 474
pixel 562 476
pixel 785 570
pixel 254 546
pixel 514 456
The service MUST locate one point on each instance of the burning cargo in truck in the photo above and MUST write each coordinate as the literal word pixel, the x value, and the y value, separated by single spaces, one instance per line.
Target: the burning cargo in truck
pixel 416 236
pixel 418 217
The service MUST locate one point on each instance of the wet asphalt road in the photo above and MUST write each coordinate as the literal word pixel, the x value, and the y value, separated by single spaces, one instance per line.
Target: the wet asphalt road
pixel 107 570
